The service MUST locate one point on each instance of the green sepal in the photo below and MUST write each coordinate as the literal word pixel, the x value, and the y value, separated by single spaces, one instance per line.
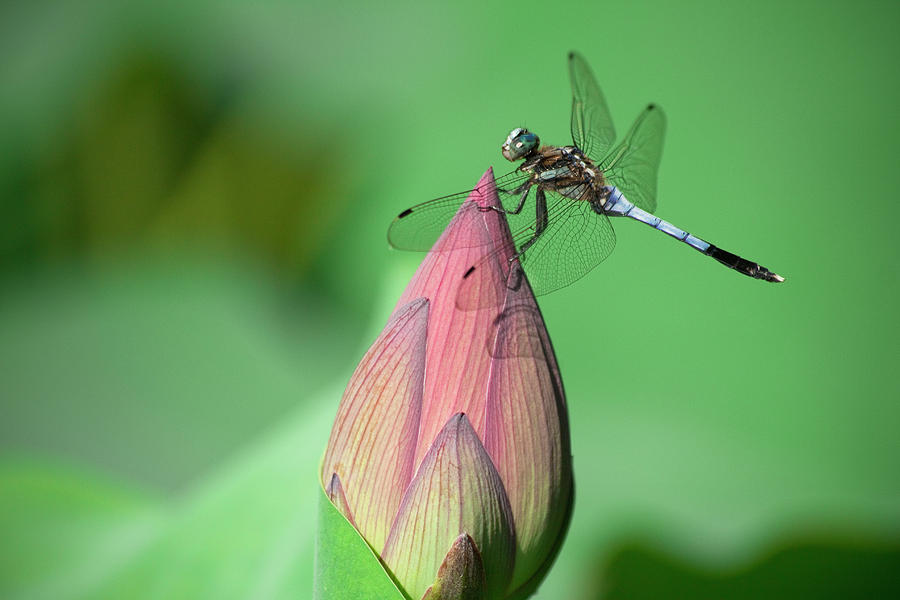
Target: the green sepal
pixel 346 568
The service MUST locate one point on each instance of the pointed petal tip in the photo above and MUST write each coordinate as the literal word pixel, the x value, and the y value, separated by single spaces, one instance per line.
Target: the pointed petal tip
pixel 456 490
pixel 459 429
pixel 485 192
pixel 373 438
pixel 486 176
pixel 409 310
pixel 461 574
pixel 335 492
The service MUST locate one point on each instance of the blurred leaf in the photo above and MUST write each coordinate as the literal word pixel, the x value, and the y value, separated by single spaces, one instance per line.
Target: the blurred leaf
pixel 64 530
pixel 805 568
pixel 245 531
pixel 346 568
pixel 158 368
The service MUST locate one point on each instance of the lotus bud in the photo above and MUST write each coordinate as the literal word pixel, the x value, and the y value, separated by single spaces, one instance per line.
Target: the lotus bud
pixel 450 450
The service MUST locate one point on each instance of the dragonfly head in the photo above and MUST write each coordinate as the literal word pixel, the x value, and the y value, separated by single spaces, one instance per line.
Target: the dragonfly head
pixel 519 143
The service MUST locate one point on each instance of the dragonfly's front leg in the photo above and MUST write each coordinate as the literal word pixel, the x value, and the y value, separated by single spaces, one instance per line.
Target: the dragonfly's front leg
pixel 522 190
pixel 540 223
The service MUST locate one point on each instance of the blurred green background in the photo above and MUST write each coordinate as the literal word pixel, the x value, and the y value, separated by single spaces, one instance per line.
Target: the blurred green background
pixel 193 259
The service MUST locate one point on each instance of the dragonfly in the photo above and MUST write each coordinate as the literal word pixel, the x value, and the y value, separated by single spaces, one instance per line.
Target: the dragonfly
pixel 572 193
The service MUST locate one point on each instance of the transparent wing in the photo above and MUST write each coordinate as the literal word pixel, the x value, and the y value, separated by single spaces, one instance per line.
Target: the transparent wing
pixel 418 227
pixel 575 241
pixel 633 165
pixel 592 127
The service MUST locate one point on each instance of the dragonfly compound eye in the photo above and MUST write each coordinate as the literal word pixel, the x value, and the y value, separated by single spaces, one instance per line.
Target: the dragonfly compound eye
pixel 519 143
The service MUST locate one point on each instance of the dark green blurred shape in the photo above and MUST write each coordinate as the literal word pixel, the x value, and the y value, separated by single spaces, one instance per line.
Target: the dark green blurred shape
pixel 803 568
pixel 151 157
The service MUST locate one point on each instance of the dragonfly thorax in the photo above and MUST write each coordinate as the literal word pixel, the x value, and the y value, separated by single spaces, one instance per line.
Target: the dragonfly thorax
pixel 519 143
pixel 568 172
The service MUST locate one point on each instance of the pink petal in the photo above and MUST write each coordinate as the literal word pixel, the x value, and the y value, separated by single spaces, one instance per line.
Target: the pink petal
pixel 456 490
pixel 458 340
pixel 374 435
pixel 526 431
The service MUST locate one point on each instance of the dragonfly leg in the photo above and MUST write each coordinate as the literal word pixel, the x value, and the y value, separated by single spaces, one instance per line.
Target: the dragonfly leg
pixel 540 223
pixel 522 190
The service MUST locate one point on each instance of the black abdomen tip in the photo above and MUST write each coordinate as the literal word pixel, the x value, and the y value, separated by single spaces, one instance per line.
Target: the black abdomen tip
pixel 469 272
pixel 651 106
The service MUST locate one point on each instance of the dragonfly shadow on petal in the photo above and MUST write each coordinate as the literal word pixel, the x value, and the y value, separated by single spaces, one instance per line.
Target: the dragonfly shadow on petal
pixel 485 284
pixel 516 335
pixel 517 328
